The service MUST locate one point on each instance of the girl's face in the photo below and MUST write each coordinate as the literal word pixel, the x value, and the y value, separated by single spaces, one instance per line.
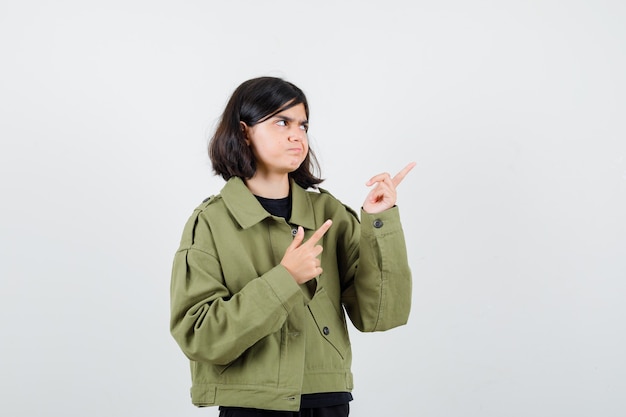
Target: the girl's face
pixel 280 143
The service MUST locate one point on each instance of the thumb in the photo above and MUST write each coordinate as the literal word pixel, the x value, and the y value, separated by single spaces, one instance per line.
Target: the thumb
pixel 297 239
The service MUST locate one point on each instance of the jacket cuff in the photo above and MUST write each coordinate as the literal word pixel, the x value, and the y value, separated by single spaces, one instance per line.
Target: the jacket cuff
pixel 380 224
pixel 284 286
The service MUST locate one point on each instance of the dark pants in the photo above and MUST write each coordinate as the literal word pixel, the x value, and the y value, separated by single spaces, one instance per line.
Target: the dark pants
pixel 335 411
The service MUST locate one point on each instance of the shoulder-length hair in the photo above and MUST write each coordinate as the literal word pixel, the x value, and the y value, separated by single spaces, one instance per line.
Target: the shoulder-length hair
pixel 255 101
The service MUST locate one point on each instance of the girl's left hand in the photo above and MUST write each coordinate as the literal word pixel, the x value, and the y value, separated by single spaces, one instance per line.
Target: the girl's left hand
pixel 383 196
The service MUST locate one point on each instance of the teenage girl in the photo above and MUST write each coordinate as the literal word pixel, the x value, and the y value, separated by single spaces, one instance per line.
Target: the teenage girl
pixel 268 268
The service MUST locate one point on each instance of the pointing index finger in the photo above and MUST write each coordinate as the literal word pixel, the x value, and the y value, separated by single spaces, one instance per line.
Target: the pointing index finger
pixel 400 175
pixel 319 233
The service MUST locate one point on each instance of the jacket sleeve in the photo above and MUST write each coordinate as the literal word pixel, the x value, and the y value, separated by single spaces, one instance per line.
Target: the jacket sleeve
pixel 377 278
pixel 208 322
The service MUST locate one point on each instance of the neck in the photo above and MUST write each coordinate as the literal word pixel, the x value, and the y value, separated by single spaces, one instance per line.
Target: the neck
pixel 269 186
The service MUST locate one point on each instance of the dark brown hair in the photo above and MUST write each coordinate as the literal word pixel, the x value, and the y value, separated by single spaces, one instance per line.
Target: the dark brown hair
pixel 252 102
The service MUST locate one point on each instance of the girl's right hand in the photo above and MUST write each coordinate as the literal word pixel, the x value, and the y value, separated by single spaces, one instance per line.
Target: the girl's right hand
pixel 301 260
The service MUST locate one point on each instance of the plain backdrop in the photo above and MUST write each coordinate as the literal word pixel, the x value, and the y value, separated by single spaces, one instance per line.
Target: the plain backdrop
pixel 514 216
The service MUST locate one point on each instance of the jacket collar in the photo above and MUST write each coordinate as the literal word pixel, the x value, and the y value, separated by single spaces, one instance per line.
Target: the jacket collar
pixel 247 211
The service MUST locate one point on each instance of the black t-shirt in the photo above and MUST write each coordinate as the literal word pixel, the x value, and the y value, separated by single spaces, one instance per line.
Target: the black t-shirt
pixel 279 207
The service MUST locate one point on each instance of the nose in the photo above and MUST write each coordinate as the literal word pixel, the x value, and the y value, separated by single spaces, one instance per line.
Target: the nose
pixel 297 134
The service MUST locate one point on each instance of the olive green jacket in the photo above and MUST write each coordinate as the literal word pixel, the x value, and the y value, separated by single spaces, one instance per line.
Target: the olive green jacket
pixel 255 338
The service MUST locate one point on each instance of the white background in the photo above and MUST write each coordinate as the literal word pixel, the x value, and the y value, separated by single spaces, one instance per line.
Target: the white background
pixel 514 216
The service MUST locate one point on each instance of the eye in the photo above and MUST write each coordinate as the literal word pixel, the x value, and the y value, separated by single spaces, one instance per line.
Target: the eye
pixel 281 122
pixel 305 127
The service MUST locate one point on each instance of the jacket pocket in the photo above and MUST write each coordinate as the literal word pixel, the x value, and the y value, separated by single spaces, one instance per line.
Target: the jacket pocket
pixel 330 322
pixel 259 364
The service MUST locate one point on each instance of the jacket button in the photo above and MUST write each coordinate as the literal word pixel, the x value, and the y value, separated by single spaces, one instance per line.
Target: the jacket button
pixel 326 330
pixel 294 232
pixel 378 223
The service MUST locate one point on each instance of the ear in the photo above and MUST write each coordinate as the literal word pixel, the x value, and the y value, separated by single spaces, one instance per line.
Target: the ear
pixel 244 129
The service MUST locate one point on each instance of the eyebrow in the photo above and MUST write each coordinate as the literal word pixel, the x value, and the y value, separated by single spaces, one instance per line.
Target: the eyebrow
pixel 290 119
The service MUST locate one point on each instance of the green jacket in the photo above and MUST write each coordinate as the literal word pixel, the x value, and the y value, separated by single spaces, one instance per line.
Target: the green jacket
pixel 255 338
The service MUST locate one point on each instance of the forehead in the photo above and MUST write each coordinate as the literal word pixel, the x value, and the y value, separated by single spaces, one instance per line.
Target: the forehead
pixel 296 112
